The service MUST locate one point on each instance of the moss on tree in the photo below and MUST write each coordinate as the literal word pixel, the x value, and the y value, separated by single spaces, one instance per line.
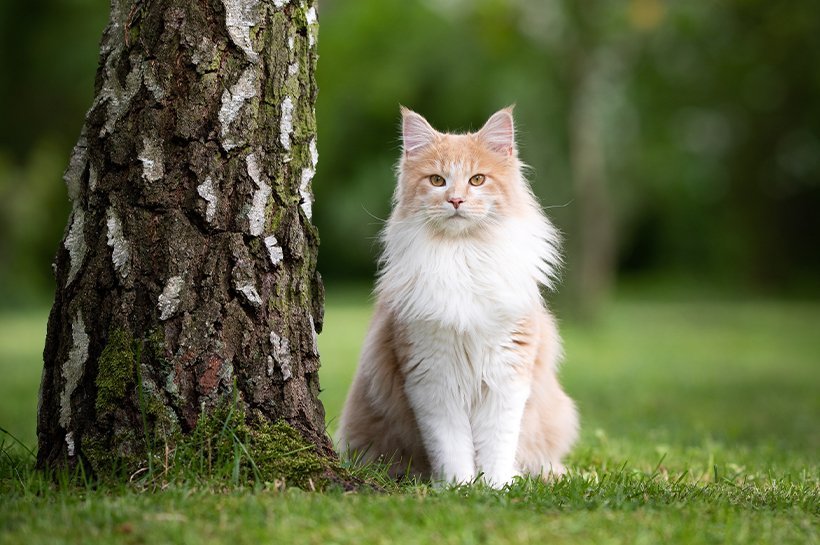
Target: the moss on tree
pixel 115 370
pixel 254 449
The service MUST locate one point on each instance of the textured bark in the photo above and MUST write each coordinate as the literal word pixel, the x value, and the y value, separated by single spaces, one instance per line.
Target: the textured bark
pixel 187 275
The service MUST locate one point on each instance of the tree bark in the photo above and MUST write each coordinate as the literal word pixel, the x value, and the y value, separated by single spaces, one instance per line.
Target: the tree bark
pixel 187 274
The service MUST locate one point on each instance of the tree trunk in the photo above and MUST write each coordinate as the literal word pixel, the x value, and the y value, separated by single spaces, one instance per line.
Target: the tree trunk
pixel 594 249
pixel 187 274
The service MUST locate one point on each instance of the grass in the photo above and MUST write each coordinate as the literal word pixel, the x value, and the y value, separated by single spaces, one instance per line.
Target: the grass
pixel 699 425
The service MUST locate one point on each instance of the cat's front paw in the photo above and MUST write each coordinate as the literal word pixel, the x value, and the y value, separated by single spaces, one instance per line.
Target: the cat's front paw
pixel 455 474
pixel 499 480
pixel 555 472
pixel 453 480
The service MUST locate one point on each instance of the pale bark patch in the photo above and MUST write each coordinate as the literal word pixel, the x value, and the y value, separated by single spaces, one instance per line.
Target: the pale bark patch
pixel 250 294
pixel 75 243
pixel 233 100
pixel 151 157
pixel 315 336
pixel 274 250
pixel 307 177
pixel 92 177
pixel 256 212
pixel 117 96
pixel 240 16
pixel 281 354
pixel 76 166
pixel 304 191
pixel 206 191
pixel 69 443
pixel 169 298
pixel 312 21
pixel 314 153
pixel 73 367
pixel 120 254
pixel 286 123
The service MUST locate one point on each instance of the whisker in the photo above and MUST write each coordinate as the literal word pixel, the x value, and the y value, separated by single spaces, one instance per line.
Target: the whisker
pixel 569 202
pixel 372 215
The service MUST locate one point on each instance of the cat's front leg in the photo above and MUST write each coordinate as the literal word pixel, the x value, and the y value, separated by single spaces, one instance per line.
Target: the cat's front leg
pixel 497 427
pixel 444 426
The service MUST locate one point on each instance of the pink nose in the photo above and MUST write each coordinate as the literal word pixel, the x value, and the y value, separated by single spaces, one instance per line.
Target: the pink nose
pixel 455 201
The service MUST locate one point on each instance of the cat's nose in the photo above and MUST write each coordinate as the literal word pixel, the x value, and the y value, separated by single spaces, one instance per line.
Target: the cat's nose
pixel 455 201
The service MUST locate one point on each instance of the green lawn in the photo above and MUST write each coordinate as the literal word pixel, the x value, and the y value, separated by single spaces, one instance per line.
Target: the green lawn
pixel 699 425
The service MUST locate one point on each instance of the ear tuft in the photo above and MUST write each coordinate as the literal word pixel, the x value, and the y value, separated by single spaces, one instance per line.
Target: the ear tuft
pixel 416 132
pixel 499 132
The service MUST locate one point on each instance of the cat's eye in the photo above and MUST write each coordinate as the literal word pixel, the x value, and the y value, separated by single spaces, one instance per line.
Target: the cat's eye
pixel 477 179
pixel 437 180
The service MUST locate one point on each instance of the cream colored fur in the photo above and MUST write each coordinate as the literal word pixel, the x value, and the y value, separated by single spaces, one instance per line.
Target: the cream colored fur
pixel 457 377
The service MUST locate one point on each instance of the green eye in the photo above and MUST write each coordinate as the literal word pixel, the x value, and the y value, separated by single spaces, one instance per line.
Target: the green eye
pixel 437 180
pixel 477 179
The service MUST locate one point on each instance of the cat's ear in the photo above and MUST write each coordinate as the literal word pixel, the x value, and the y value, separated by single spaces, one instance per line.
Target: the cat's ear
pixel 416 132
pixel 499 132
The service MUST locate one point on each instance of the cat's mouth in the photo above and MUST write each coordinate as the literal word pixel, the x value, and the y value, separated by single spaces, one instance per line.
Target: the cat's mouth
pixel 457 220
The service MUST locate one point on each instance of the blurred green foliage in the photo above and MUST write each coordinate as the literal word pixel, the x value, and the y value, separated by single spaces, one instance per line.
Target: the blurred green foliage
pixel 48 57
pixel 706 116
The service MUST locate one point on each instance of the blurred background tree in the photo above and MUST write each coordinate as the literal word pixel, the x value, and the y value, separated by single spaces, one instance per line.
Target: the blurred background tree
pixel 674 143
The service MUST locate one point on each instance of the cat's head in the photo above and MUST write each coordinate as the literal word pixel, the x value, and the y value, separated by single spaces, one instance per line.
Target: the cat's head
pixel 460 183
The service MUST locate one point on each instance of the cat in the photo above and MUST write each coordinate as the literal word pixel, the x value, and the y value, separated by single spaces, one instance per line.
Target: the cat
pixel 457 376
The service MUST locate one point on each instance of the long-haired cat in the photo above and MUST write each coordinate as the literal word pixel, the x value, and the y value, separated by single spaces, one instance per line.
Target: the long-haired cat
pixel 457 377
